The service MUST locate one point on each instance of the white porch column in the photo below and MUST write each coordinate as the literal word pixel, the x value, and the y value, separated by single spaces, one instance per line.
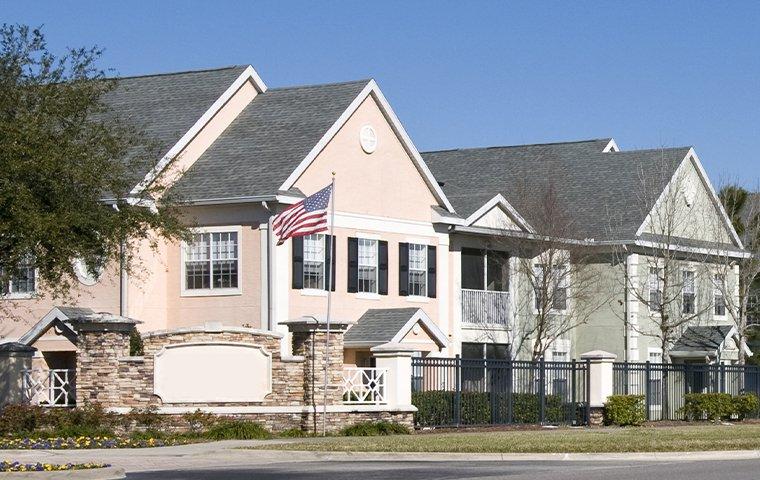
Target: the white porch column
pixel 599 376
pixel 397 359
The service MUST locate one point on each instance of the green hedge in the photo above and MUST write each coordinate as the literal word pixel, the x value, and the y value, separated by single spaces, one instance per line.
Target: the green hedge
pixel 436 408
pixel 719 406
pixel 625 410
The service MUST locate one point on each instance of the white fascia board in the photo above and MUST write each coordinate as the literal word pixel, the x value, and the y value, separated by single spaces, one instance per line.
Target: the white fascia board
pixel 437 217
pixel 714 196
pixel 249 74
pixel 685 249
pixel 611 147
pixel 499 199
pixel 398 128
pixel 420 316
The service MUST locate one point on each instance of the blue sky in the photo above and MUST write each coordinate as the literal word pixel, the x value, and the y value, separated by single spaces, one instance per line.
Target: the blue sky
pixel 463 74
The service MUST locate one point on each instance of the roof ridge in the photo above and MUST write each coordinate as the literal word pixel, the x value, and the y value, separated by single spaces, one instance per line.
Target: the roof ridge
pixel 494 147
pixel 329 84
pixel 657 149
pixel 166 74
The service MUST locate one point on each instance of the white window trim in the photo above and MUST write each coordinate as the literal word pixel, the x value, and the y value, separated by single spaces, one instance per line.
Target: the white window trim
pixel 683 290
pixel 213 292
pixel 22 295
pixel 417 298
pixel 653 313
pixel 553 310
pixel 315 292
pixel 718 292
pixel 376 238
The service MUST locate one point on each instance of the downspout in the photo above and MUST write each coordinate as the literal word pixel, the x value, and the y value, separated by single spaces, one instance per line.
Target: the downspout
pixel 270 315
pixel 123 275
pixel 627 330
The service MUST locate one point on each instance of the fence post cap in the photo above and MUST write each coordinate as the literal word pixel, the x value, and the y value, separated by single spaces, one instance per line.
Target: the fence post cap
pixel 16 349
pixel 598 355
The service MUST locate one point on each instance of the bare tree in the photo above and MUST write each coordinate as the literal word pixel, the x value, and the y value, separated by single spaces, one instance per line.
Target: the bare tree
pixel 736 274
pixel 676 270
pixel 558 287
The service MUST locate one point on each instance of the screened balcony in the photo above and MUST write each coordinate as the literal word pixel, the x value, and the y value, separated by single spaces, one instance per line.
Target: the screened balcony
pixel 485 288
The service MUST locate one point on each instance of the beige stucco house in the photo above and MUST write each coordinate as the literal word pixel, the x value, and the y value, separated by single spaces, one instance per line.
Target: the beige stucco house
pixel 426 245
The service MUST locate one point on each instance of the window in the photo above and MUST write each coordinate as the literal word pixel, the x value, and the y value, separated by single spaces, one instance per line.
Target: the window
pixel 314 262
pixel 418 270
pixel 719 301
pixel 557 285
pixel 655 377
pixel 23 283
pixel 212 261
pixel 485 270
pixel 688 293
pixel 655 289
pixel 367 265
pixel 488 351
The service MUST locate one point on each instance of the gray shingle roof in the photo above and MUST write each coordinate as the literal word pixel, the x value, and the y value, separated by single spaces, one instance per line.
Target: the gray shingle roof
pixel 597 190
pixel 701 338
pixel 266 142
pixel 379 325
pixel 165 106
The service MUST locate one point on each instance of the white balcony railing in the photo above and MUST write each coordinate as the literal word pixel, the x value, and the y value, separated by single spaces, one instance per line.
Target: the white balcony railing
pixel 485 307
pixel 49 388
pixel 364 385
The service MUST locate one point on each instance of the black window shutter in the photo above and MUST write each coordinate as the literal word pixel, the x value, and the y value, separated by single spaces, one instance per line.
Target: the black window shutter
pixel 382 275
pixel 431 261
pixel 353 265
pixel 403 269
pixel 330 262
pixel 297 246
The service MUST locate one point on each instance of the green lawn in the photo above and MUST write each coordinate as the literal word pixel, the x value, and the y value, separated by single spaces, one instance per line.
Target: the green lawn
pixel 564 440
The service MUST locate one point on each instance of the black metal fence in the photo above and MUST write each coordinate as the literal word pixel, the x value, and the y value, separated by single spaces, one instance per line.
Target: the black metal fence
pixel 665 385
pixel 456 392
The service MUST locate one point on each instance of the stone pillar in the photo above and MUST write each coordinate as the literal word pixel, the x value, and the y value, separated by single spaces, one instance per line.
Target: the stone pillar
pixel 103 339
pixel 309 341
pixel 396 358
pixel 600 381
pixel 14 359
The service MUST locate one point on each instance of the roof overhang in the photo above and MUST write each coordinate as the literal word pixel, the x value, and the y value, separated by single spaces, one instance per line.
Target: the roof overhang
pixel 418 317
pixel 55 318
pixel 500 201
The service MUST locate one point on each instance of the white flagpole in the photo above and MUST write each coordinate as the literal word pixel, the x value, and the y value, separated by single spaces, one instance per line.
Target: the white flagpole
pixel 329 304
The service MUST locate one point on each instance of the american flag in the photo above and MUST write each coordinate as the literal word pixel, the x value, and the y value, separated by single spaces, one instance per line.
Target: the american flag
pixel 304 218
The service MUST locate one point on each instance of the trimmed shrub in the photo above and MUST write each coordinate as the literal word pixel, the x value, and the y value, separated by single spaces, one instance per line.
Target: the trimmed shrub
pixel 147 418
pixel 91 420
pixel 293 433
pixel 624 410
pixel 371 429
pixel 708 406
pixel 135 344
pixel 436 407
pixel 237 430
pixel 20 419
pixel 746 405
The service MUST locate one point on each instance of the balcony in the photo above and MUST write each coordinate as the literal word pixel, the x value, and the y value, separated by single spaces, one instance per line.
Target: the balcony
pixel 485 308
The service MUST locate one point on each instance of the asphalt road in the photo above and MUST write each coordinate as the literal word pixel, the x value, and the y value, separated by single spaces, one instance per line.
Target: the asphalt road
pixel 459 469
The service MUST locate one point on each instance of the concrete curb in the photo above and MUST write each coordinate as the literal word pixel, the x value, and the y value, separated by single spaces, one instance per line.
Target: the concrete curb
pixel 287 455
pixel 110 473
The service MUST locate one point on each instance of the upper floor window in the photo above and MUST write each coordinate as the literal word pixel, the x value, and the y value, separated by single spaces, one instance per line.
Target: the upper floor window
pixel 655 290
pixel 689 293
pixel 314 261
pixel 211 262
pixel 22 283
pixel 367 265
pixel 418 270
pixel 485 270
pixel 719 301
pixel 556 285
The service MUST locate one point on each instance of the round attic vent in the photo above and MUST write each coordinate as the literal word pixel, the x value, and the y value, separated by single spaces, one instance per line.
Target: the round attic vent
pixel 83 274
pixel 368 139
